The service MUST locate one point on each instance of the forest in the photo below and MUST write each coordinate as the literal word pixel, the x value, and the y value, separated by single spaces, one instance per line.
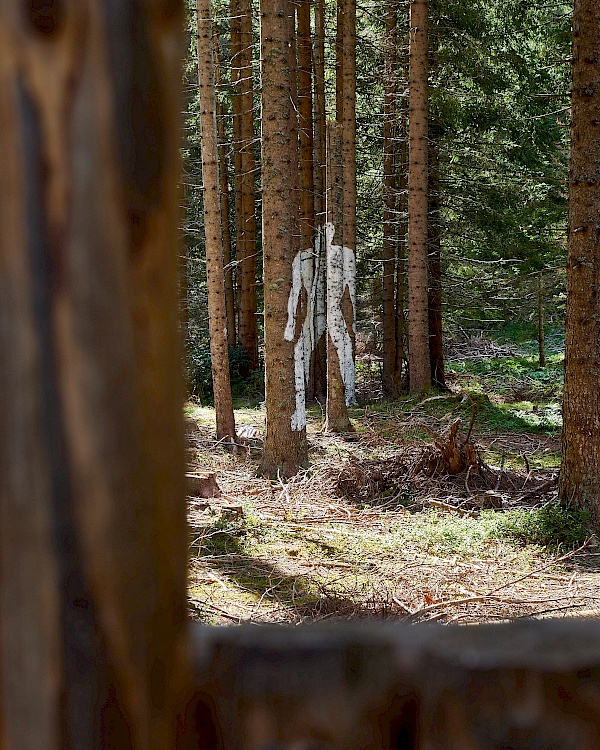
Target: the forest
pixel 375 277
pixel 368 237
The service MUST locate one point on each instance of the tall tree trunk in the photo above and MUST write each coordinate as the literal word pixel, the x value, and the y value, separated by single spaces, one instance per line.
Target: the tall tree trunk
pixel 339 60
pixel 349 181
pixel 224 193
pixel 402 207
pixel 319 361
pixel 245 169
pixel 215 281
pixel 340 362
pixel 305 111
pixel 391 377
pixel 580 477
pixel 418 324
pixel 285 449
pixel 436 342
pixel 307 185
pixel 93 616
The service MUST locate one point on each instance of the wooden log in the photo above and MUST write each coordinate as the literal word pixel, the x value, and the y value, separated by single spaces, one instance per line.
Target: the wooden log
pixel 524 686
pixel 92 517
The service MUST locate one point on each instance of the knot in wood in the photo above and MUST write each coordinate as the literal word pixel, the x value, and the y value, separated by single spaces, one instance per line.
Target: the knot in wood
pixel 45 15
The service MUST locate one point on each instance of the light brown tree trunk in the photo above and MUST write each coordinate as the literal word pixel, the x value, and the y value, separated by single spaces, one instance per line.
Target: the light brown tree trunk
pixel 213 235
pixel 391 377
pixel 245 170
pixel 93 616
pixel 319 362
pixel 349 181
pixel 436 341
pixel 285 449
pixel 224 193
pixel 580 474
pixel 418 324
pixel 340 363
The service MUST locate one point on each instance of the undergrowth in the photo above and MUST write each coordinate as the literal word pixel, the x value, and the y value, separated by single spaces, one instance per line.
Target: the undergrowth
pixel 302 550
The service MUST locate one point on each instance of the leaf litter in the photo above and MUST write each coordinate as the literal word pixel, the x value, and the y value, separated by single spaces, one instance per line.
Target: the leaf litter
pixel 377 528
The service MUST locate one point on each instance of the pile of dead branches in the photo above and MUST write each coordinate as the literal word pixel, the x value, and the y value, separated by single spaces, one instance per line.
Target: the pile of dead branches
pixel 476 348
pixel 449 473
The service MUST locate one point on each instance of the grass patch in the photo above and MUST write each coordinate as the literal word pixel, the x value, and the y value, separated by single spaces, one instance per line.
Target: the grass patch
pixel 550 526
pixel 225 535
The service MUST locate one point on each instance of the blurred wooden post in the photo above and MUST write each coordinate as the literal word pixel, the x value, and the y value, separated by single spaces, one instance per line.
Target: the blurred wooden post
pixel 93 634
pixel 524 686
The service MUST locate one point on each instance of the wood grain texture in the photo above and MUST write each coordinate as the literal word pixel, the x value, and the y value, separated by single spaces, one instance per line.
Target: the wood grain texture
pixel 526 686
pixel 92 524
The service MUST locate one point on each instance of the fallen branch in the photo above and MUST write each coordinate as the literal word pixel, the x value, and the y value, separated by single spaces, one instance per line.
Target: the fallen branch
pixel 538 490
pixel 456 509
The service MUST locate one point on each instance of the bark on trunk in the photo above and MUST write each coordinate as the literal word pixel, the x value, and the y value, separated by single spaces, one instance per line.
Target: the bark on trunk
pixel 224 193
pixel 340 362
pixel 402 208
pixel 339 60
pixel 391 376
pixel 215 281
pixel 302 265
pixel 93 616
pixel 285 449
pixel 245 170
pixel 580 478
pixel 436 343
pixel 305 111
pixel 319 361
pixel 418 324
pixel 307 185
pixel 349 182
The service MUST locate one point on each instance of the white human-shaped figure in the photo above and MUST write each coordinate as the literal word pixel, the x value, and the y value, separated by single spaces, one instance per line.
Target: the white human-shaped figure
pixel 302 277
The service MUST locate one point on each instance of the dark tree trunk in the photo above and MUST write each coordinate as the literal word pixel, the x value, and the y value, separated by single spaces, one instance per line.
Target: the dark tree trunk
pixel 93 615
pixel 307 187
pixel 245 170
pixel 319 360
pixel 339 345
pixel 402 238
pixel 436 342
pixel 348 120
pixel 580 477
pixel 391 376
pixel 305 110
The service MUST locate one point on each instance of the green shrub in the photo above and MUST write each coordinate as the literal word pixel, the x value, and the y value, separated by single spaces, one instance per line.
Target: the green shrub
pixel 550 526
pixel 244 382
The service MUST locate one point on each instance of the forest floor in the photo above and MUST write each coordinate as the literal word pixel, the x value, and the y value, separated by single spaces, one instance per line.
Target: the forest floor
pixel 364 532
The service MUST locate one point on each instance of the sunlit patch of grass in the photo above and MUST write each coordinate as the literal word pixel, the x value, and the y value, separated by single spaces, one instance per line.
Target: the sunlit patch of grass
pixel 550 526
